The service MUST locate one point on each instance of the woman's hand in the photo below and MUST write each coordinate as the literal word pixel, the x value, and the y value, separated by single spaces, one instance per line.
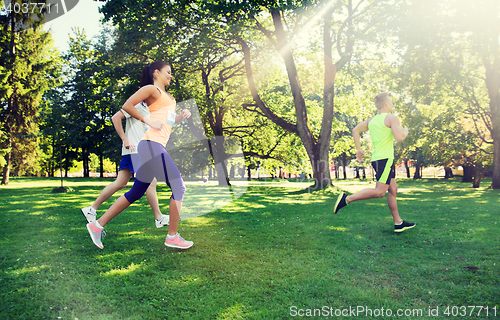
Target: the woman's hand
pixel 185 114
pixel 128 145
pixel 157 125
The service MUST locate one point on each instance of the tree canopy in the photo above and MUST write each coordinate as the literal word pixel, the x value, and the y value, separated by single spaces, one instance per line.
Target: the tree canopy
pixel 287 79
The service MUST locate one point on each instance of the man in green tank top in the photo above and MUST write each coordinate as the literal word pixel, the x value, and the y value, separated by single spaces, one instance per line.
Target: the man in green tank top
pixel 384 128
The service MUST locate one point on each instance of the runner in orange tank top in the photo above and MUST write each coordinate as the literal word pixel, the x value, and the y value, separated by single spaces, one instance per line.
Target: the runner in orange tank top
pixel 153 161
pixel 161 109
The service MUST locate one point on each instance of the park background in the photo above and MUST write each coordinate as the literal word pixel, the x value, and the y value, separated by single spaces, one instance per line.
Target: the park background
pixel 287 80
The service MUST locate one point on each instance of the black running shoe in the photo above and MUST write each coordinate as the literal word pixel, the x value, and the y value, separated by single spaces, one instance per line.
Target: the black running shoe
pixel 340 202
pixel 403 226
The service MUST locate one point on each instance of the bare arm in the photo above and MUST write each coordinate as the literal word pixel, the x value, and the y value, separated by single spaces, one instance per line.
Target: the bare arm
pixel 117 123
pixel 140 95
pixel 398 131
pixel 356 135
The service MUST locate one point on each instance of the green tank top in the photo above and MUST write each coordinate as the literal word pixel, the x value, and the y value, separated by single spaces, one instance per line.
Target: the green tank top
pixel 382 138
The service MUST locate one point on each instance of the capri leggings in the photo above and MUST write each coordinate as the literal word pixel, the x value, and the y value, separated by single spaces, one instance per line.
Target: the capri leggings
pixel 154 161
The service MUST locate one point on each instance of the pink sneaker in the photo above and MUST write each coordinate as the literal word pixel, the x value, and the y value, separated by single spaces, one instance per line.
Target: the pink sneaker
pixel 178 242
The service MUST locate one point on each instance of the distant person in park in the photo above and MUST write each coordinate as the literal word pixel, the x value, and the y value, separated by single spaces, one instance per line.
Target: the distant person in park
pixel 134 132
pixel 384 128
pixel 152 160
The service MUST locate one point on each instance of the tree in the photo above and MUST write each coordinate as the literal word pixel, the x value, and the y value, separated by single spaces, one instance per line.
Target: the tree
pixel 287 20
pixel 463 34
pixel 205 66
pixel 266 145
pixel 217 68
pixel 55 124
pixel 29 67
pixel 483 33
pixel 88 102
pixel 241 21
pixel 107 79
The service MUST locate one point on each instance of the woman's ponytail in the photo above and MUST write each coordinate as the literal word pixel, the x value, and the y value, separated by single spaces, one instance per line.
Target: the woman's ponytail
pixel 147 72
pixel 146 77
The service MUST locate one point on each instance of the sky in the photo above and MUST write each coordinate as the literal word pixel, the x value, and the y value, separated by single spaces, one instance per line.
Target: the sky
pixel 84 15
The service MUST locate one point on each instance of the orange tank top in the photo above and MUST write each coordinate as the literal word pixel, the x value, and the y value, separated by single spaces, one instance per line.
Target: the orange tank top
pixel 162 110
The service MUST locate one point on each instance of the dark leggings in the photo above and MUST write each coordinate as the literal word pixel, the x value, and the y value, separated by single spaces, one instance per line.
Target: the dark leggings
pixel 153 161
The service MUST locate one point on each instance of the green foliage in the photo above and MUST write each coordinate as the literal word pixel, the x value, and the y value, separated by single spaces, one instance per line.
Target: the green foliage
pixel 29 67
pixel 207 65
pixel 434 58
pixel 77 166
pixel 77 114
pixel 95 164
pixel 451 68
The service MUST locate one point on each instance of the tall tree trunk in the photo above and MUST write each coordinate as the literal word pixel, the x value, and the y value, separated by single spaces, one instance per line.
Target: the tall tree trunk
pixel 52 162
pixel 495 183
pixel 86 168
pixel 344 161
pixel 101 165
pixel 217 149
pixel 468 173
pixel 66 162
pixel 448 173
pixel 477 177
pixel 60 165
pixel 10 103
pixel 232 171
pixel 8 160
pixel 318 153
pixel 317 148
pixel 322 176
pixel 492 77
pixel 217 144
pixel 408 175
pixel 417 174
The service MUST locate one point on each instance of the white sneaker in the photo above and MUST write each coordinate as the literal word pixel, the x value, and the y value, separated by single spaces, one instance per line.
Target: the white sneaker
pixel 164 221
pixel 96 234
pixel 89 213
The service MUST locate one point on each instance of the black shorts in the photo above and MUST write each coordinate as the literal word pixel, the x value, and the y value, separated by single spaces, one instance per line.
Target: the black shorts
pixel 384 170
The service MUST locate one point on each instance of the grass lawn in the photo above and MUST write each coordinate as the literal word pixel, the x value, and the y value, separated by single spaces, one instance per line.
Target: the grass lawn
pixel 276 252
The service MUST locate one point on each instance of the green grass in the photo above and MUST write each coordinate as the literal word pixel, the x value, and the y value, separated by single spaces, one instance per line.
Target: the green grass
pixel 273 251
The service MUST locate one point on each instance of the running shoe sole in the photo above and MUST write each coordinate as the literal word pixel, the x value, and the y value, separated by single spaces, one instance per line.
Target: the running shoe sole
pixel 341 195
pixel 177 246
pixel 171 245
pixel 404 228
